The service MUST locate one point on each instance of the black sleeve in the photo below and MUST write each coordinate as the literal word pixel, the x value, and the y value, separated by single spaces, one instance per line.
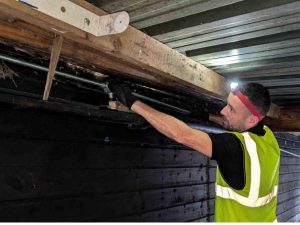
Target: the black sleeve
pixel 227 150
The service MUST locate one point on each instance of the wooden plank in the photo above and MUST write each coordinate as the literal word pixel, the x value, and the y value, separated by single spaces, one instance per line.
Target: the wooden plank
pixel 89 57
pixel 70 129
pixel 289 168
pixel 284 217
pixel 283 125
pixel 70 208
pixel 288 177
pixel 288 186
pixel 283 197
pixel 63 154
pixel 131 46
pixel 295 218
pixel 290 113
pixel 81 18
pixel 190 211
pixel 289 160
pixel 22 182
pixel 289 120
pixel 274 111
pixel 106 208
pixel 285 206
pixel 109 205
pixel 55 53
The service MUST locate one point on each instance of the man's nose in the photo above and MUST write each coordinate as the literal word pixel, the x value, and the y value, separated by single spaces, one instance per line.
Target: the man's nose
pixel 223 111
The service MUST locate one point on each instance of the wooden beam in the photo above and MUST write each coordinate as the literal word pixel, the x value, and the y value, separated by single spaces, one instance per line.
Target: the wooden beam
pixel 39 40
pixel 290 113
pixel 132 47
pixel 81 18
pixel 284 125
pixel 288 120
pixel 274 111
pixel 56 48
pixel 74 108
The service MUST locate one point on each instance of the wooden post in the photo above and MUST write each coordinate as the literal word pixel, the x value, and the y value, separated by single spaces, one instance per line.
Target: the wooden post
pixel 56 48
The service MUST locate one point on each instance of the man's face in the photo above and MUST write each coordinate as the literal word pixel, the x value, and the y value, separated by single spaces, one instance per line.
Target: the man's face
pixel 235 114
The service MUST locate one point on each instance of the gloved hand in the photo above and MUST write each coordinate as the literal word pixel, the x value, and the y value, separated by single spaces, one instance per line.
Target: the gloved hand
pixel 123 94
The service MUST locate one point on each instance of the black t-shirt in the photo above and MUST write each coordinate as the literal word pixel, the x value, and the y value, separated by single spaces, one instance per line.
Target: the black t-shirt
pixel 227 150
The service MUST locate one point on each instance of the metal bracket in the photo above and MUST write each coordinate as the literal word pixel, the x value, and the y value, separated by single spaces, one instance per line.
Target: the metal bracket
pixel 80 17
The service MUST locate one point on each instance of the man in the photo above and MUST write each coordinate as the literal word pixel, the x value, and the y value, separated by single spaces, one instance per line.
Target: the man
pixel 247 157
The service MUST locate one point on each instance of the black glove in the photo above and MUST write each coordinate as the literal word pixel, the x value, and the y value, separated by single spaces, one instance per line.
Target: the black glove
pixel 123 94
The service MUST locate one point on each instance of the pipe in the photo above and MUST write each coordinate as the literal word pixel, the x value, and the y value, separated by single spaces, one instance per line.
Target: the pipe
pixel 45 69
pixel 104 86
pixel 290 153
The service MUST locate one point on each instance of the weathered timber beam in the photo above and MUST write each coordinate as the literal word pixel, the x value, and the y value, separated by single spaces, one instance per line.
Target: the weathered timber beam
pixel 288 120
pixel 290 113
pixel 132 46
pixel 56 48
pixel 40 40
pixel 283 125
pixel 58 106
pixel 274 111
pixel 81 18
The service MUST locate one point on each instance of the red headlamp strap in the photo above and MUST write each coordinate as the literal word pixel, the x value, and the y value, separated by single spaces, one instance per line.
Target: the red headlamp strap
pixel 248 104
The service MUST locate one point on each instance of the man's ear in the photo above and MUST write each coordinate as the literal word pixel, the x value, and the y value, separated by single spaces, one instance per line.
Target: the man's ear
pixel 253 120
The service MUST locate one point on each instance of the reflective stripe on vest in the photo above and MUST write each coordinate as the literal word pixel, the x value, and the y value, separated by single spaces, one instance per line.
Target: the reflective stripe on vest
pixel 252 200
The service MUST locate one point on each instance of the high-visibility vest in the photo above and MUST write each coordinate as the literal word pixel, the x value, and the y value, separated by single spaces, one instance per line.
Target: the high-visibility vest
pixel 257 201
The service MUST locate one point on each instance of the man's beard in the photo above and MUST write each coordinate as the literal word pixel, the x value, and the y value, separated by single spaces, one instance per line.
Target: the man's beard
pixel 230 127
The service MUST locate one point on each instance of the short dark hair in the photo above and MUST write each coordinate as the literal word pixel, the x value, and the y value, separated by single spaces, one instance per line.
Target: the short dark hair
pixel 258 95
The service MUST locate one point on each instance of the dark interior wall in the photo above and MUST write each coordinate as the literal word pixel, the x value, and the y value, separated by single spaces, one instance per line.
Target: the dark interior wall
pixel 60 167
pixel 57 167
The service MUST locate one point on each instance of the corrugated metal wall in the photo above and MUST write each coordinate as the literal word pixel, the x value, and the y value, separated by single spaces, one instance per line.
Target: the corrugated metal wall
pixel 289 188
pixel 58 167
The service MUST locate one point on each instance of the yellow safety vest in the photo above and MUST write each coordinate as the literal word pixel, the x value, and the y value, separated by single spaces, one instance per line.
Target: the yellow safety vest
pixel 257 201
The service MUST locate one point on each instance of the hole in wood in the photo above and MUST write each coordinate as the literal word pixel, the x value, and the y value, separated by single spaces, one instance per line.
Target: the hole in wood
pixel 87 21
pixel 63 9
